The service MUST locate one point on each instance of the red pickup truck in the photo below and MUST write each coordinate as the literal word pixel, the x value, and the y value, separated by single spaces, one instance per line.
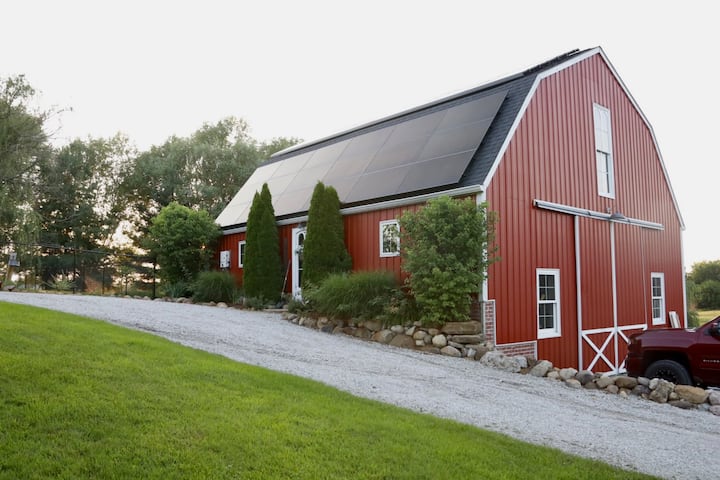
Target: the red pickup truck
pixel 679 355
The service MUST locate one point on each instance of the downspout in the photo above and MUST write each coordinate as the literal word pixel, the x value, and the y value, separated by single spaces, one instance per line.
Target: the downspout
pixel 614 291
pixel 578 291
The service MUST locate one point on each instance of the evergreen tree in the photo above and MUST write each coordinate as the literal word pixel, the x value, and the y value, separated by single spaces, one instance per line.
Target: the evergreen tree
pixel 324 252
pixel 262 277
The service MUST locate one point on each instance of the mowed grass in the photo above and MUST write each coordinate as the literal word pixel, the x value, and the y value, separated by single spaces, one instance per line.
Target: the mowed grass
pixel 80 398
pixel 707 315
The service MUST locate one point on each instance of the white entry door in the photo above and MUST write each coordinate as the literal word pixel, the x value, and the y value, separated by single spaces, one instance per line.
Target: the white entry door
pixel 298 241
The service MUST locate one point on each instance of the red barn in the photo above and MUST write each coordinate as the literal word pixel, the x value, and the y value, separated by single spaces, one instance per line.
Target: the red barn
pixel 589 230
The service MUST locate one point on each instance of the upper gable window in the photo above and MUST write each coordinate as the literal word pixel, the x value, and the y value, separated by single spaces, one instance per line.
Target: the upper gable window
pixel 603 151
pixel 389 238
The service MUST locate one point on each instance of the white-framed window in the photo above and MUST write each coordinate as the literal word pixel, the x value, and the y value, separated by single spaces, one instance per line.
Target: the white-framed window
pixel 389 238
pixel 603 151
pixel 241 253
pixel 657 287
pixel 548 302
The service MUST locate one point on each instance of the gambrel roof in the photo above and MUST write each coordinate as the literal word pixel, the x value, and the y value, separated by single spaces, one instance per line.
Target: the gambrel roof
pixel 452 144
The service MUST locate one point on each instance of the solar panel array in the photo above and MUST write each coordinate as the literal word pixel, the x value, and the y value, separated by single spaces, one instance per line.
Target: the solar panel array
pixel 425 151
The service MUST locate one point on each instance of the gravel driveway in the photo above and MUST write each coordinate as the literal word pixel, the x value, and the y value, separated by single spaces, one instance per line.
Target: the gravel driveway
pixel 630 433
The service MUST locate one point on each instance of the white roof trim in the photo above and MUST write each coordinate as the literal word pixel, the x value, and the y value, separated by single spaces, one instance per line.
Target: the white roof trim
pixel 400 202
pixel 563 66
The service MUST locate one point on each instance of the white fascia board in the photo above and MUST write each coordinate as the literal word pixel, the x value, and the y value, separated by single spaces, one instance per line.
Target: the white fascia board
pixel 370 207
pixel 584 212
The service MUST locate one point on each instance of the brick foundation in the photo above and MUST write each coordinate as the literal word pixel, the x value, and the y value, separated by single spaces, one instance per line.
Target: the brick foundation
pixel 488 319
pixel 525 349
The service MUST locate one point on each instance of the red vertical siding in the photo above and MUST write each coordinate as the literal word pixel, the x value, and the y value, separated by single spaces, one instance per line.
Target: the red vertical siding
pixel 551 157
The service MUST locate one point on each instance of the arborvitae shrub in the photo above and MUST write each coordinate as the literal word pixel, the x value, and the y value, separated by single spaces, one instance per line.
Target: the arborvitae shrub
pixel 324 251
pixel 262 271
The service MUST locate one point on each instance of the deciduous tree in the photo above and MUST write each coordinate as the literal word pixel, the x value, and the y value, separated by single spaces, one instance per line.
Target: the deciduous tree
pixel 446 249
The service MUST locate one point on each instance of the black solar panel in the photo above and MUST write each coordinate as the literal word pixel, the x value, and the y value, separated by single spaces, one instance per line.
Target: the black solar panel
pixel 425 151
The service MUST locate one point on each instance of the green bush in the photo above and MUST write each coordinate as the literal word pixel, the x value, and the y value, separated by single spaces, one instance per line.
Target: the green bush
pixel 360 295
pixel 215 287
pixel 177 289
pixel 446 250
pixel 693 319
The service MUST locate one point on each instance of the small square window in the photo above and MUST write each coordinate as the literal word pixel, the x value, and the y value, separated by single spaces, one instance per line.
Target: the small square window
pixel 389 238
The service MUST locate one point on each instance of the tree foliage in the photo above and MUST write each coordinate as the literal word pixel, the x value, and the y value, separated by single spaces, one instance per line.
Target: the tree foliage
pixel 203 171
pixel 703 285
pixel 182 241
pixel 262 269
pixel 324 251
pixel 22 142
pixel 446 249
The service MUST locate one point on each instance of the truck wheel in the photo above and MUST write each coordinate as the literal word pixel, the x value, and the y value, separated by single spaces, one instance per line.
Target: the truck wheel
pixel 669 370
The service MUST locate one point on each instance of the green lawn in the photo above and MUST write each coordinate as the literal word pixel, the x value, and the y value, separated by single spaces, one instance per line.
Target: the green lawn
pixel 81 398
pixel 707 315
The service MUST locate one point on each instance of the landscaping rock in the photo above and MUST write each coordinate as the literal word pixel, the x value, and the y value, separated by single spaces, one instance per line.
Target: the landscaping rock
pixel 467 339
pixel 567 373
pixel 541 369
pixel 612 389
pixel 714 397
pixel 641 390
pixel 715 410
pixel 462 328
pixel 498 360
pixel 383 336
pixel 418 335
pixel 402 340
pixel 573 383
pixel 684 404
pixel 662 390
pixel 450 351
pixel 604 382
pixel 694 395
pixel 373 325
pixel 584 377
pixel 397 329
pixel 624 381
pixel 439 341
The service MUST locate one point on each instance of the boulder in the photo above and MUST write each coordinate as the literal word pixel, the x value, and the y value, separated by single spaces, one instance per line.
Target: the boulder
pixel 572 383
pixel 585 377
pixel 662 390
pixel 714 397
pixel 541 369
pixel 383 336
pixel 498 360
pixel 692 394
pixel 439 341
pixel 567 373
pixel 402 340
pixel 419 335
pixel 450 351
pixel 462 328
pixel 373 325
pixel 715 410
pixel 604 382
pixel 624 381
pixel 467 339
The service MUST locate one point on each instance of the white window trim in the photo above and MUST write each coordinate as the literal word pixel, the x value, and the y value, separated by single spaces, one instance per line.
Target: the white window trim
pixel 555 331
pixel 241 244
pixel 611 160
pixel 661 319
pixel 383 224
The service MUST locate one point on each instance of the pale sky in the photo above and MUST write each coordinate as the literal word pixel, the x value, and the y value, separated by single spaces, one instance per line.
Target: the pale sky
pixel 307 69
